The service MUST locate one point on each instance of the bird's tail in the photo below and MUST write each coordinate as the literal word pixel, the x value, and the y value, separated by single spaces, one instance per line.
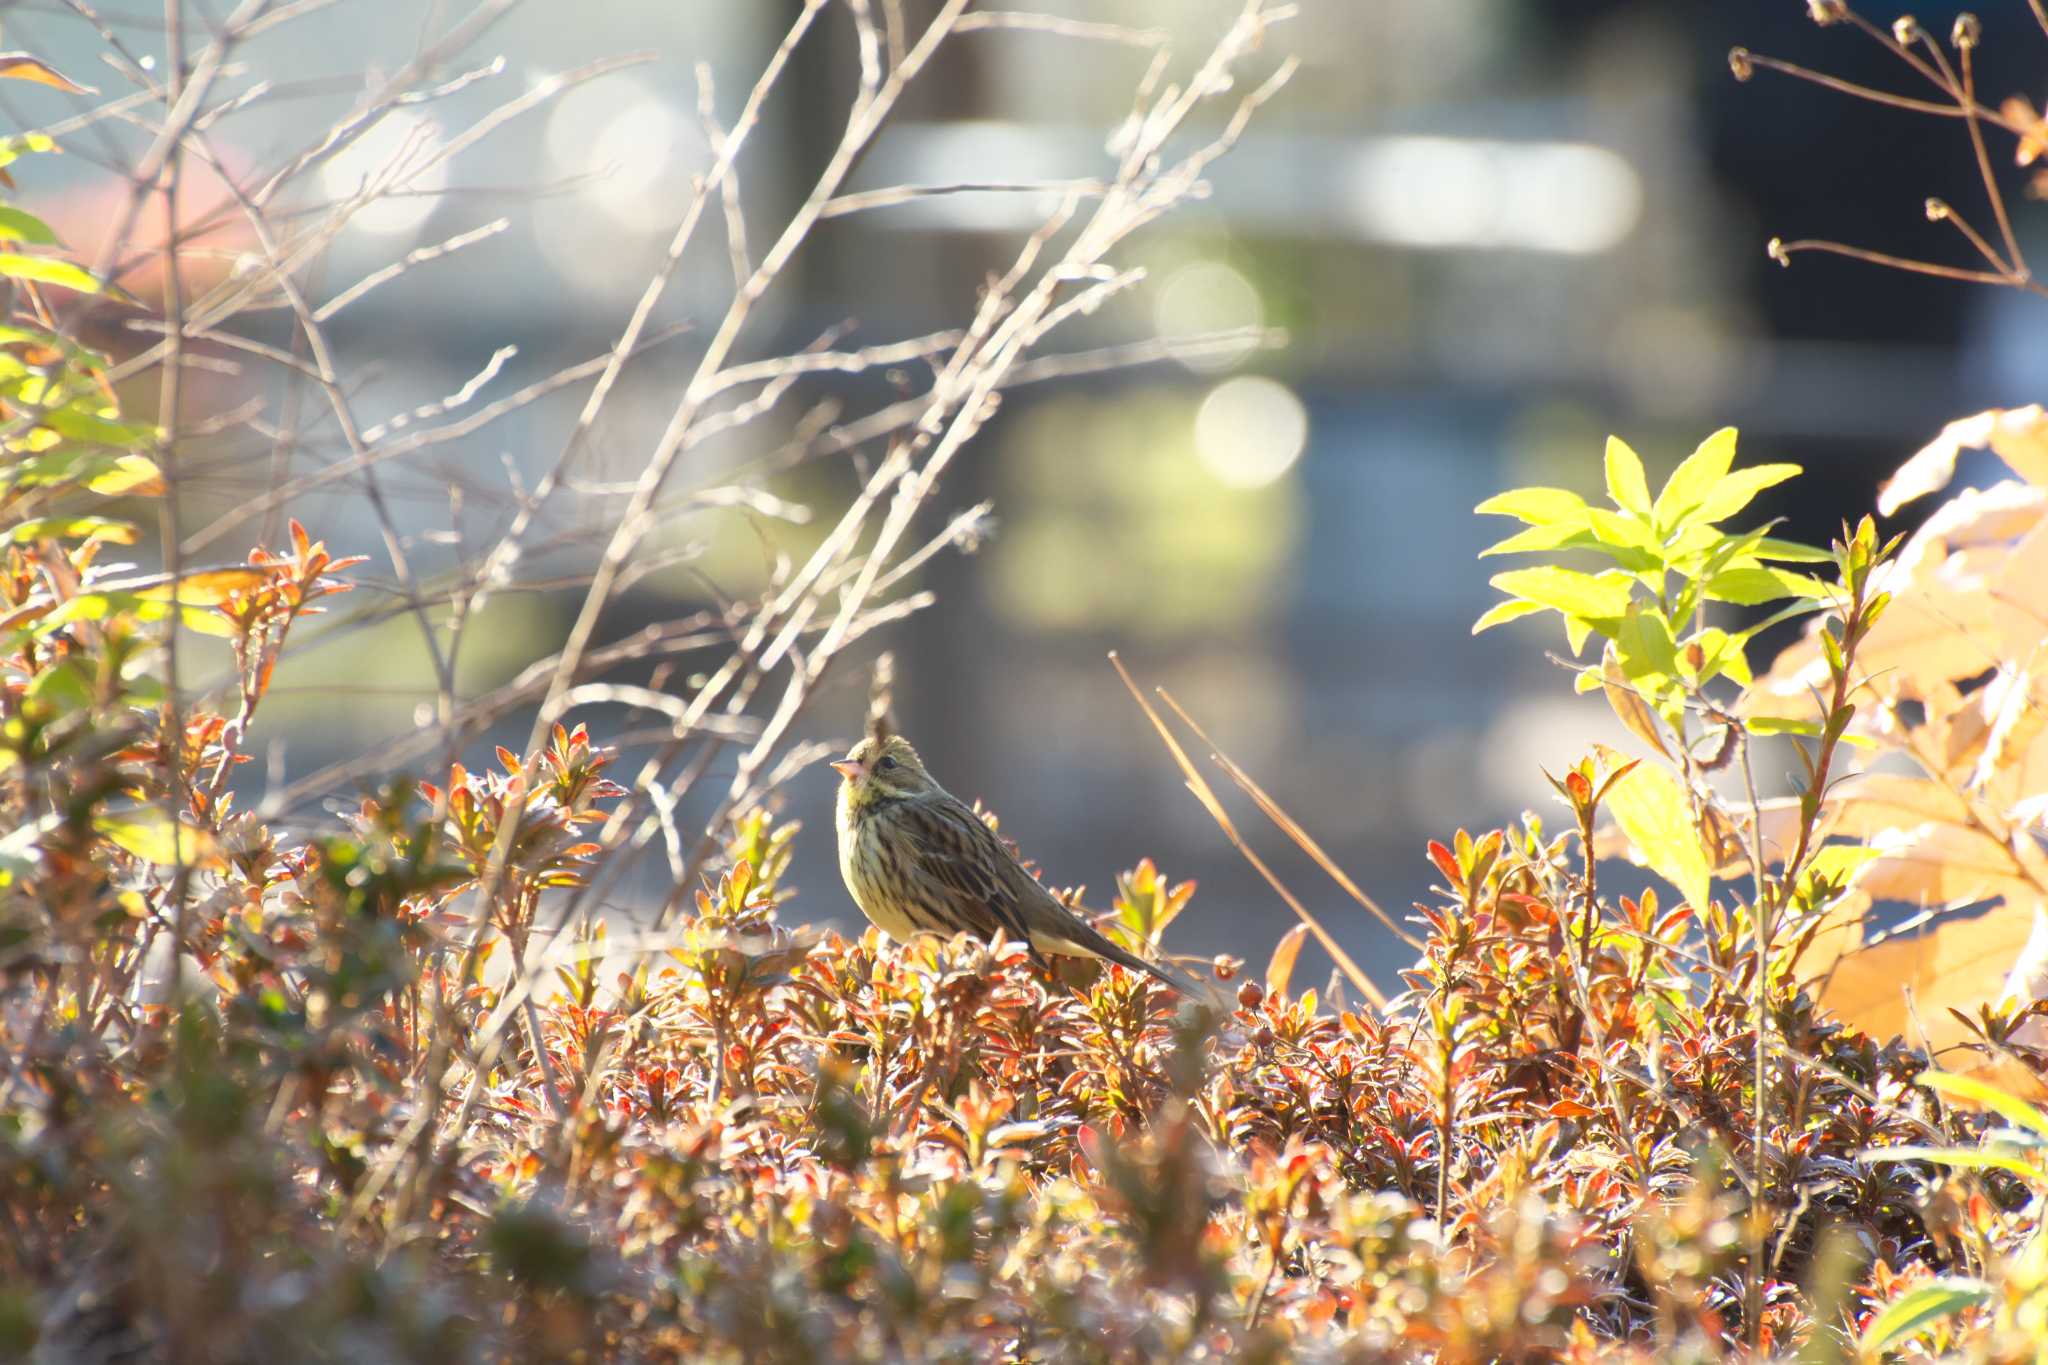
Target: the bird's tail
pixel 1102 946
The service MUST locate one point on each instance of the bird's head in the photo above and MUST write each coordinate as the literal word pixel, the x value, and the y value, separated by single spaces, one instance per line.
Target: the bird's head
pixel 882 770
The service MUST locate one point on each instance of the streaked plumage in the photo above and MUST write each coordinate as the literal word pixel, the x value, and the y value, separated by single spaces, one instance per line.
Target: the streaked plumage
pixel 917 861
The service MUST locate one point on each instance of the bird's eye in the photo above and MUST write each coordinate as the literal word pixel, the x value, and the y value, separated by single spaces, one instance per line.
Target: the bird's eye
pixel 887 764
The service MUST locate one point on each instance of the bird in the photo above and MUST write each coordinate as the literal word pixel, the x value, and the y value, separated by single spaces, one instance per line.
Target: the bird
pixel 918 861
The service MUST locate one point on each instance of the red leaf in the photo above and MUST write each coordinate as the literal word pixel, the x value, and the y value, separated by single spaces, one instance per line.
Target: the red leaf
pixel 1445 863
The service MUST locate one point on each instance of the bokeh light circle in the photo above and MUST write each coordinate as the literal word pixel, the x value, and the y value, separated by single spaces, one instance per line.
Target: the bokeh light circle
pixel 1250 430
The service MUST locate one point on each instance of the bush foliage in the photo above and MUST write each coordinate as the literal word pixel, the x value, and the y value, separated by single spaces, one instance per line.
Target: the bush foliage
pixel 326 1127
pixel 351 1093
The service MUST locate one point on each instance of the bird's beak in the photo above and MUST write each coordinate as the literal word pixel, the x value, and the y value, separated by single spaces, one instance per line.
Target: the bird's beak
pixel 849 769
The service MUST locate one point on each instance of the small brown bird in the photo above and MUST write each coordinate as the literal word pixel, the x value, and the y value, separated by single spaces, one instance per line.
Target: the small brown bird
pixel 919 862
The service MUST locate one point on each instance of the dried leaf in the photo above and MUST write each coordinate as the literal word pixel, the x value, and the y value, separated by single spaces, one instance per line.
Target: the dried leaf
pixel 1957 965
pixel 1628 703
pixel 2019 436
pixel 21 66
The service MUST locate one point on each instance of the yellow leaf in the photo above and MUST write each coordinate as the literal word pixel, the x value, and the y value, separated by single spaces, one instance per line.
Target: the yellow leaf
pixel 130 473
pixel 1625 481
pixel 152 835
pixel 208 587
pixel 1652 811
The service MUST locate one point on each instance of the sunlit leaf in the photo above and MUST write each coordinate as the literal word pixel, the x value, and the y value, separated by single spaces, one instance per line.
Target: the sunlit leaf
pixel 49 270
pixel 2018 435
pixel 61 689
pixel 208 587
pixel 1921 1306
pixel 18 226
pixel 1537 506
pixel 1558 535
pixel 1651 809
pixel 1696 476
pixel 18 145
pixel 1986 1158
pixel 1625 539
pixel 149 833
pixel 1280 970
pixel 1736 491
pixel 100 606
pixel 1749 587
pixel 1502 612
pixel 21 66
pixel 2011 1108
pixel 1587 596
pixel 127 474
pixel 100 428
pixel 1625 481
pixel 73 528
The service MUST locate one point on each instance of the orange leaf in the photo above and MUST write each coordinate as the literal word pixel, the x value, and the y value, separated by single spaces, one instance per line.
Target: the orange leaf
pixel 20 66
pixel 1281 969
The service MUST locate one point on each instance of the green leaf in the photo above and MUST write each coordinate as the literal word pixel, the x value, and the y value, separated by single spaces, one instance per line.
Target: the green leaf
pixel 1556 536
pixel 1576 629
pixel 99 427
pixel 100 606
pixel 1989 1157
pixel 1591 597
pixel 2011 1108
pixel 1720 653
pixel 1502 612
pixel 17 226
pixel 1736 491
pixel 1782 725
pixel 1694 479
pixel 1645 643
pixel 152 835
pixel 49 270
pixel 1537 506
pixel 12 334
pixel 1754 585
pixel 126 474
pixel 1651 809
pixel 1790 552
pixel 1625 481
pixel 61 689
pixel 1627 540
pixel 1920 1306
pixel 73 528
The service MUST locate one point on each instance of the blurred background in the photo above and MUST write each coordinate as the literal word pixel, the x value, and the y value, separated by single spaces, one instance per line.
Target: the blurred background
pixel 1493 231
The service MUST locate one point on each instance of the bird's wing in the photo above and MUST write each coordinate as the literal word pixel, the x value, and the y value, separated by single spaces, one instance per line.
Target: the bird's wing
pixel 962 864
